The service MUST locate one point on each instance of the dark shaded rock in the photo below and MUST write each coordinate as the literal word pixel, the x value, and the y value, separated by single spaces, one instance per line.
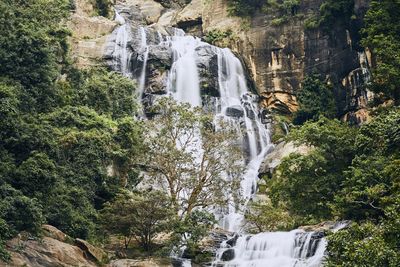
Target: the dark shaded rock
pixel 228 255
pixel 235 111
pixel 232 242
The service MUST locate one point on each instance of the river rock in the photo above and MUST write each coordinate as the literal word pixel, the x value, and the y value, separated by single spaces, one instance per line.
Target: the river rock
pixel 228 255
pixel 235 111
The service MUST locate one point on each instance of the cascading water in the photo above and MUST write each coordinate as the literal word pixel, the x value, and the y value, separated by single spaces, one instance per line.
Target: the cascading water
pixel 184 78
pixel 144 49
pixel 121 55
pixel 237 106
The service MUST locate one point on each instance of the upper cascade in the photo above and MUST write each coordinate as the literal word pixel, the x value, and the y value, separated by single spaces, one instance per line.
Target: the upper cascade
pixel 213 78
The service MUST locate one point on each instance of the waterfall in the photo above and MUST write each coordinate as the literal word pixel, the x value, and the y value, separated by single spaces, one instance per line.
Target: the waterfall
pixel 238 106
pixel 144 49
pixel 184 74
pixel 121 54
pixel 276 249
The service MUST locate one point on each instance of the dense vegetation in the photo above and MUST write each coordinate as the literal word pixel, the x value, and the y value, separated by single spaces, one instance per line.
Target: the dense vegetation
pixel 61 129
pixel 351 173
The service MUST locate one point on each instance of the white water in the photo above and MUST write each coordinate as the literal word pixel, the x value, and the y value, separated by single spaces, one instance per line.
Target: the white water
pixel 144 50
pixel 279 249
pixel 121 54
pixel 276 249
pixel 184 76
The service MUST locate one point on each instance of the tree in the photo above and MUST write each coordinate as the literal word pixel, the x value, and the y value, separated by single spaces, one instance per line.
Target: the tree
pixel 189 231
pixel 307 184
pixel 367 244
pixel 315 99
pixel 33 41
pixel 19 212
pixel 382 36
pixel 190 158
pixel 265 217
pixel 140 216
pixel 244 8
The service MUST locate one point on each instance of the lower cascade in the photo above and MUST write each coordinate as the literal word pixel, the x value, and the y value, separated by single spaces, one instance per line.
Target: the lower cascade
pixel 198 73
pixel 275 249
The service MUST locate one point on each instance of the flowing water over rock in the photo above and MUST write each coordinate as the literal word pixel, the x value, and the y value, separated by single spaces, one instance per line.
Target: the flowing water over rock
pixel 198 73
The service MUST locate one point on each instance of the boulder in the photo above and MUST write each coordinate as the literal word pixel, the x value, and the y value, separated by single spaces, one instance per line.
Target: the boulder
pixel 92 252
pixel 191 15
pixel 235 111
pixel 47 252
pixel 228 255
pixel 281 150
pixel 52 232
pixel 151 10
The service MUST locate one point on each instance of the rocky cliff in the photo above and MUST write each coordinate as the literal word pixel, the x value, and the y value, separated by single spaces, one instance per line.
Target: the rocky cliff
pixel 278 52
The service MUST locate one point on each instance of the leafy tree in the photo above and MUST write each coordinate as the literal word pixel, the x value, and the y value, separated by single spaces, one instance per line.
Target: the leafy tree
pixel 140 216
pixel 372 180
pixel 307 184
pixel 107 92
pixel 330 10
pixel 189 157
pixel 71 210
pixel 20 212
pixel 244 7
pixel 189 231
pixel 382 36
pixel 315 99
pixel 265 217
pixel 367 244
pixel 33 41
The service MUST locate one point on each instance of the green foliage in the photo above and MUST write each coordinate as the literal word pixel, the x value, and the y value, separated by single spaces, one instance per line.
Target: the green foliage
pixel 307 184
pixel 367 244
pixel 267 217
pixel 68 138
pixel 189 231
pixel 19 212
pixel 315 99
pixel 33 44
pixel 382 36
pixel 103 7
pixel 140 216
pixel 108 93
pixel 331 10
pixel 373 178
pixel 244 8
pixel 4 235
pixel 350 173
pixel 216 36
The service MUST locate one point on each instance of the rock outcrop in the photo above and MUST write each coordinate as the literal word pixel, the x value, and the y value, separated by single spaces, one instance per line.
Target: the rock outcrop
pixel 275 158
pixel 54 249
pixel 89 34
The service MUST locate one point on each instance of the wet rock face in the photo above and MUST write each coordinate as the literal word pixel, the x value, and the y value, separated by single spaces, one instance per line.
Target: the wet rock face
pixel 280 56
pixel 228 255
